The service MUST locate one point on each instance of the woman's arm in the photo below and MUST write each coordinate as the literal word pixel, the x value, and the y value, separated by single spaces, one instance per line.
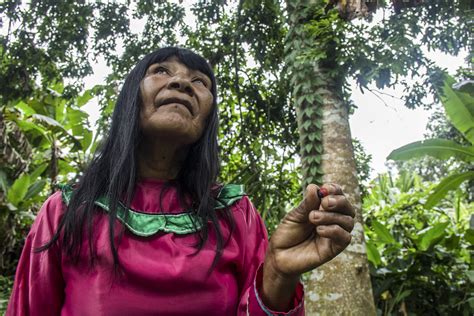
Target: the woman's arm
pixel 39 285
pixel 252 235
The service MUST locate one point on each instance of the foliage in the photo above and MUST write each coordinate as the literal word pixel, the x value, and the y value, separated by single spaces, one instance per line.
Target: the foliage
pixel 258 127
pixel 45 41
pixel 460 110
pixel 421 259
pixel 46 140
pixel 430 169
pixel 311 47
pixel 439 126
pixel 437 148
pixel 323 50
pixel 363 160
pixel 459 106
pixel 392 51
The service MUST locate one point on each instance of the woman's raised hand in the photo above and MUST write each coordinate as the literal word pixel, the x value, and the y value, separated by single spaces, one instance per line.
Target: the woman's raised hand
pixel 313 233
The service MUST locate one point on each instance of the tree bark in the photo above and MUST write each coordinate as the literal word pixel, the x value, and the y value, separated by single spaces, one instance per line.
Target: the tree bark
pixel 342 286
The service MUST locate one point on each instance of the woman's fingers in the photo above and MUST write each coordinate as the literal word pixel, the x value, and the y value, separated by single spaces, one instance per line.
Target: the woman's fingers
pixel 333 199
pixel 332 189
pixel 336 233
pixel 339 204
pixel 322 218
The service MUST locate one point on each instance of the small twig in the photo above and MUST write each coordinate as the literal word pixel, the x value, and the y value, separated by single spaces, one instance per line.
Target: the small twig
pixel 385 103
pixel 387 94
pixel 403 309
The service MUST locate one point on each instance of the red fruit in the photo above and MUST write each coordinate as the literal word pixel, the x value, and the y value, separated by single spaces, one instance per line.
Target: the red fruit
pixel 323 192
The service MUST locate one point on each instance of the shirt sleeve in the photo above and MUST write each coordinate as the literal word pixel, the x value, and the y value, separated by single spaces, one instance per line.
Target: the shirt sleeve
pixel 255 242
pixel 39 285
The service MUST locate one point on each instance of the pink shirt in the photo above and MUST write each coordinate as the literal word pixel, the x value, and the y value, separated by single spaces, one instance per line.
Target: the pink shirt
pixel 161 274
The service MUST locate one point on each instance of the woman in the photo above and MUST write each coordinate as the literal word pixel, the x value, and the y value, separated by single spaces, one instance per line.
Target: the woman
pixel 148 231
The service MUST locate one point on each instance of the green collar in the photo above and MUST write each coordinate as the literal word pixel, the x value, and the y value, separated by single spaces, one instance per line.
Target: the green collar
pixel 145 224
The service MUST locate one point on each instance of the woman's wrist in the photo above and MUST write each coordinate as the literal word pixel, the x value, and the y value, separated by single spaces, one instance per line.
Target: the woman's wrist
pixel 277 288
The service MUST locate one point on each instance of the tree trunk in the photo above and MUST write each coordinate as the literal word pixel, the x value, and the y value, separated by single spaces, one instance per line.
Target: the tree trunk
pixel 342 286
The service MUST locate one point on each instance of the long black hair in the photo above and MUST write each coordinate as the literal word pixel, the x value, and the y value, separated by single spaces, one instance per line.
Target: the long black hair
pixel 113 171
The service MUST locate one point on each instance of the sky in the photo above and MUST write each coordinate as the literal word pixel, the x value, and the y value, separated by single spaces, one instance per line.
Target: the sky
pixel 382 128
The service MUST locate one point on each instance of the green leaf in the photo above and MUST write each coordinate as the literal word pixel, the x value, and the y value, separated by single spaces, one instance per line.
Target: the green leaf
pixel 38 171
pixel 382 232
pixel 306 124
pixel 48 120
pixel 25 108
pixel 58 87
pixel 300 100
pixel 452 243
pixel 17 191
pixel 84 98
pixel 319 98
pixel 471 302
pixel 470 275
pixel 58 127
pixel 60 112
pixel 3 181
pixel 469 236
pixel 466 86
pixel 402 295
pixel 432 235
pixel 449 183
pixel 373 254
pixel 28 126
pixel 309 98
pixel 35 189
pixel 459 108
pixel 76 118
pixel 65 167
pixel 51 100
pixel 86 139
pixel 308 111
pixel 314 135
pixel 437 148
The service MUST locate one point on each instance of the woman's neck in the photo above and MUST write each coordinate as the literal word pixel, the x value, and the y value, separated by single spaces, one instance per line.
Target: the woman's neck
pixel 160 159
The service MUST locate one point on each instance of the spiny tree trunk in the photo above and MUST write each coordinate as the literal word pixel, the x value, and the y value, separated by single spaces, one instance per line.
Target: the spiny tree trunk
pixel 342 286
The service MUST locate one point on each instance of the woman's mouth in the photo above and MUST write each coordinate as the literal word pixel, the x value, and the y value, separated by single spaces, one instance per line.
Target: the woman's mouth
pixel 180 101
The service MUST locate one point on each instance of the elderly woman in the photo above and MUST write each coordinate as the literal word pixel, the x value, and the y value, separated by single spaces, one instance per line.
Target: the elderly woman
pixel 149 231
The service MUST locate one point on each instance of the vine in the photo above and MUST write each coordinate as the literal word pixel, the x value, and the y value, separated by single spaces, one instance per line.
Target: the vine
pixel 310 49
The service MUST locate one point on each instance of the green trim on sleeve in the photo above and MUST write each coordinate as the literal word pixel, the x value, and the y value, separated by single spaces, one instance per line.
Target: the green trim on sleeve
pixel 146 224
pixel 229 194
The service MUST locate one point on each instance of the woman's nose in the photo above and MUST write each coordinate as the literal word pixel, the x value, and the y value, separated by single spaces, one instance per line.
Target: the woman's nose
pixel 182 85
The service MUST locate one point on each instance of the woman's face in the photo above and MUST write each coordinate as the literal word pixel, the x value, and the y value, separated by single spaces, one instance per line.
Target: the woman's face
pixel 176 101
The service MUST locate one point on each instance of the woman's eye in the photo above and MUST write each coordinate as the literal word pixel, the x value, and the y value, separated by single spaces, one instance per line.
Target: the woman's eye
pixel 199 81
pixel 161 70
